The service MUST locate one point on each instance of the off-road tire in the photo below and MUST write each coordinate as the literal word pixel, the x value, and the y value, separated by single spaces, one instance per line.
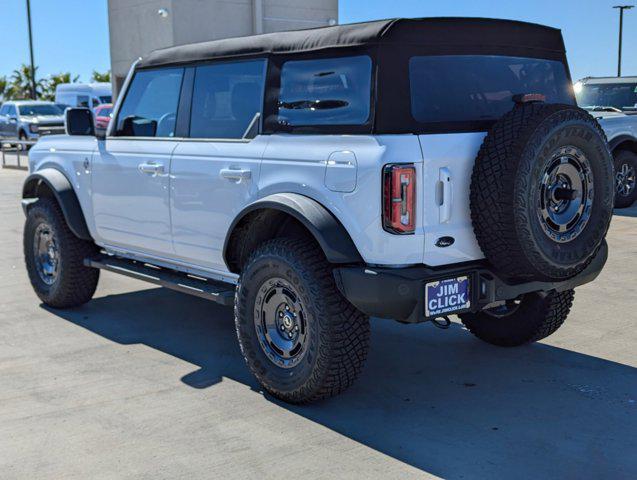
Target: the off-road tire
pixel 537 317
pixel 505 192
pixel 338 334
pixel 23 138
pixel 625 157
pixel 75 284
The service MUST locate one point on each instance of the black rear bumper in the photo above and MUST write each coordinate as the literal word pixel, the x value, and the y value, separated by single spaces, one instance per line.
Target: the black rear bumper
pixel 399 293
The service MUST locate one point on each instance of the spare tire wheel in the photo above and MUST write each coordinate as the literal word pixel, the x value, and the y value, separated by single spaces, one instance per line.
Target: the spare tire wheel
pixel 542 192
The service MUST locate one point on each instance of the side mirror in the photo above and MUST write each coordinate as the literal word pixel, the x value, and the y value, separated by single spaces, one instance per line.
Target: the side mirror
pixel 79 121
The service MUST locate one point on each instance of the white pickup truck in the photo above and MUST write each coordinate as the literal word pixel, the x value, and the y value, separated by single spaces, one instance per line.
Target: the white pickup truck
pixel 407 169
pixel 613 102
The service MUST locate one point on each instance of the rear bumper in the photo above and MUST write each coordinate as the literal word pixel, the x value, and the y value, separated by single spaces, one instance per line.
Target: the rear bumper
pixel 400 293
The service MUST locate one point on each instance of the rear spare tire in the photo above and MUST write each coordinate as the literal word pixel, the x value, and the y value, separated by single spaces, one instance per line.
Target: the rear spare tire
pixel 542 192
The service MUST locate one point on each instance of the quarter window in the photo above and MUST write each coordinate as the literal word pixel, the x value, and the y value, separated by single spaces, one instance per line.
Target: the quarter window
pixel 328 91
pixel 150 106
pixel 227 100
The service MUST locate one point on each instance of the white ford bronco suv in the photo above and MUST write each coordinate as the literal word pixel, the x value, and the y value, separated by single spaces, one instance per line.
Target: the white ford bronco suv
pixel 613 102
pixel 407 169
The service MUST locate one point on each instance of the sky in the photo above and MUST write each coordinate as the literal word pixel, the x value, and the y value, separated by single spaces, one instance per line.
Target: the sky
pixel 72 35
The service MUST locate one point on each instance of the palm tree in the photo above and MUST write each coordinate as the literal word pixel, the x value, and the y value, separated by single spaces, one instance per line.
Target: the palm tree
pixel 101 77
pixel 4 87
pixel 53 81
pixel 20 86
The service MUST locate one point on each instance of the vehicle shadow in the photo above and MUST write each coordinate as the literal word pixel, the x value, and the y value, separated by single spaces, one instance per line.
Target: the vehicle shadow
pixel 440 401
pixel 626 212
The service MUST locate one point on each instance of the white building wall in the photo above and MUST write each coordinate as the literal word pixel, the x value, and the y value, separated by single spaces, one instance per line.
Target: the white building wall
pixel 136 27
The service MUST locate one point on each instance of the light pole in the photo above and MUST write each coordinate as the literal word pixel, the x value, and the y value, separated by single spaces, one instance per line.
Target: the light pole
pixel 33 92
pixel 621 27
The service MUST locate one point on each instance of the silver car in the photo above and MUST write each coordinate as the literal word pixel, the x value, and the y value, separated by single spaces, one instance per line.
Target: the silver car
pixel 29 119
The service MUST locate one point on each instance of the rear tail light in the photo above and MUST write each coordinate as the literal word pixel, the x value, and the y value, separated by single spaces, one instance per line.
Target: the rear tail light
pixel 399 198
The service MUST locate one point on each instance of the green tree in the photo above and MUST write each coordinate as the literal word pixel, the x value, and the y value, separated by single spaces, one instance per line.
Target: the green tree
pixel 53 81
pixel 4 87
pixel 101 77
pixel 20 83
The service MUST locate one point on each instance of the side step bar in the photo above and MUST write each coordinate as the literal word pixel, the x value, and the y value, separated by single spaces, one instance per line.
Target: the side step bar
pixel 219 292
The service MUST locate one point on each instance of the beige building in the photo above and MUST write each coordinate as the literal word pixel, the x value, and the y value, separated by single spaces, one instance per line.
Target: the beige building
pixel 138 26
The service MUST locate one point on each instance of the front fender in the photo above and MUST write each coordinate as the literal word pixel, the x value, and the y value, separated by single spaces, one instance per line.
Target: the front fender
pixel 330 234
pixel 63 192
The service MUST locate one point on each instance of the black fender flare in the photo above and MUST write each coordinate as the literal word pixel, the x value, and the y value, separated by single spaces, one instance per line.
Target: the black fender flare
pixel 63 192
pixel 612 144
pixel 331 235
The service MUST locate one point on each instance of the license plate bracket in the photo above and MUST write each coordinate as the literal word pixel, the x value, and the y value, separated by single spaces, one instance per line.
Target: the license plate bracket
pixel 447 296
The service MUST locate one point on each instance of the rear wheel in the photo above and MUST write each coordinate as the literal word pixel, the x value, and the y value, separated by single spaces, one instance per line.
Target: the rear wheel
pixel 300 338
pixel 625 178
pixel 54 257
pixel 528 319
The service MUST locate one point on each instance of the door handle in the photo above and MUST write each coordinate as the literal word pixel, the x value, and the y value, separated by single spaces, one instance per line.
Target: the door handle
pixel 236 174
pixel 151 168
pixel 444 180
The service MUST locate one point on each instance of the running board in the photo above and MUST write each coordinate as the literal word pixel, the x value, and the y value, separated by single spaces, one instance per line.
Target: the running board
pixel 219 292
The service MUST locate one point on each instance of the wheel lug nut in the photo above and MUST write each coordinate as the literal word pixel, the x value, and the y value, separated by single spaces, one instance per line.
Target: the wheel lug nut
pixel 281 314
pixel 282 327
pixel 290 334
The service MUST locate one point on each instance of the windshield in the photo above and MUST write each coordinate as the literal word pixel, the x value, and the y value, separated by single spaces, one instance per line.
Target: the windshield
pixel 104 112
pixel 46 109
pixel 622 96
pixel 478 88
pixel 106 99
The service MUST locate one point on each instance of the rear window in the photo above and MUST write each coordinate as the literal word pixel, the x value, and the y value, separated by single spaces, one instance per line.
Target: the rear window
pixel 327 91
pixel 475 88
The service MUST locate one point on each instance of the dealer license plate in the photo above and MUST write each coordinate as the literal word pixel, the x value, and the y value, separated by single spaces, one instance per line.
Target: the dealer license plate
pixel 447 296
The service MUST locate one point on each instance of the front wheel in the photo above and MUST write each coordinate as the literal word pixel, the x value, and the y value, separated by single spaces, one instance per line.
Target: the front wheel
pixel 528 319
pixel 54 257
pixel 625 178
pixel 300 338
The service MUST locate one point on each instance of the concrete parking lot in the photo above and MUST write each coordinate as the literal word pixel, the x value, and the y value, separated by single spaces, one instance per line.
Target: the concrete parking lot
pixel 143 382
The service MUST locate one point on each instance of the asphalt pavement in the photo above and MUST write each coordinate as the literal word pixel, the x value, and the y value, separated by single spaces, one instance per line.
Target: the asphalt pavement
pixel 143 382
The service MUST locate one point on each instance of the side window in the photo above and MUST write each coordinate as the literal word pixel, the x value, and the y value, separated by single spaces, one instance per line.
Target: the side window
pixel 150 105
pixel 82 101
pixel 227 99
pixel 11 111
pixel 4 109
pixel 329 91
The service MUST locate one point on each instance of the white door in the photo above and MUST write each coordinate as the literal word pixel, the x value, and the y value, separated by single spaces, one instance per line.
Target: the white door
pixel 447 165
pixel 130 171
pixel 214 173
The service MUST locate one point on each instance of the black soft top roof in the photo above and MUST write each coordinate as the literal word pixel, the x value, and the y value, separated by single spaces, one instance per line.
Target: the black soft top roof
pixel 441 34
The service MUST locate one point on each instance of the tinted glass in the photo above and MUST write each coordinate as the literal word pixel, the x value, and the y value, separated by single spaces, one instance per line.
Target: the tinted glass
pixel 616 95
pixel 4 109
pixel 330 91
pixel 226 99
pixel 82 101
pixel 150 106
pixel 106 99
pixel 468 88
pixel 46 109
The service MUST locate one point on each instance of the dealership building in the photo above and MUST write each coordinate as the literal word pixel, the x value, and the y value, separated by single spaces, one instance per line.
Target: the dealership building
pixel 137 27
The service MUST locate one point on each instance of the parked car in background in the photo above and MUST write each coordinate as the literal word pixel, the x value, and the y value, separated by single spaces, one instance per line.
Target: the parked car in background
pixel 102 115
pixel 613 101
pixel 29 119
pixel 88 95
